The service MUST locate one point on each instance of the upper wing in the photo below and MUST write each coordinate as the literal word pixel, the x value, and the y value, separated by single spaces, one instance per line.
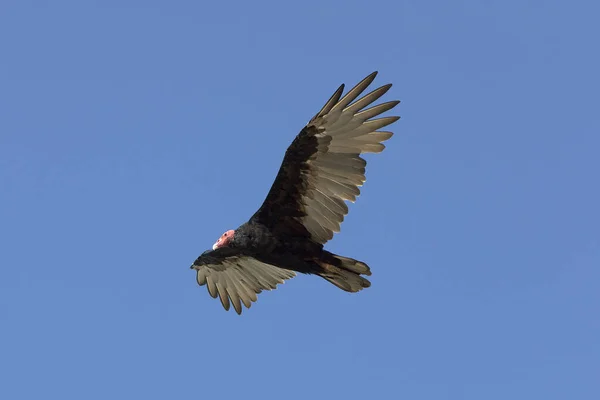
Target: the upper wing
pixel 322 167
pixel 237 278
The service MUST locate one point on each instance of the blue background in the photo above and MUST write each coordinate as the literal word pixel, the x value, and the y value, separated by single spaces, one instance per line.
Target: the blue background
pixel 134 133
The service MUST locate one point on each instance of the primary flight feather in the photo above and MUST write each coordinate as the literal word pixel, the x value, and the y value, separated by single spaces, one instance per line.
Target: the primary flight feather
pixel 321 170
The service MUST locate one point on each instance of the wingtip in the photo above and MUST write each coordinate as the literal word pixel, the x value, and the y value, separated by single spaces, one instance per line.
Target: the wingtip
pixel 368 79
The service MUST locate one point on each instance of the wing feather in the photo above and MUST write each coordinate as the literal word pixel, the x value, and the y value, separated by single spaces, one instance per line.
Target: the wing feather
pixel 237 278
pixel 233 293
pixel 333 100
pixel 246 295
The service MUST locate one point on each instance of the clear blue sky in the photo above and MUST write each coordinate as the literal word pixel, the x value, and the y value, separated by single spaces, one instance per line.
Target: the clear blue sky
pixel 134 133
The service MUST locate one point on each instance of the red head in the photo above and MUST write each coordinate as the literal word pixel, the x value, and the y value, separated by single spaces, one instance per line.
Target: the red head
pixel 224 239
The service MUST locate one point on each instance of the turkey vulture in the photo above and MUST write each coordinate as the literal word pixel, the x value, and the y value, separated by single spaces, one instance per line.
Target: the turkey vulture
pixel 321 169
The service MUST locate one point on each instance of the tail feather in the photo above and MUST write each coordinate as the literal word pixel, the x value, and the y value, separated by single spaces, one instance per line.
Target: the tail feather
pixel 345 272
pixel 353 265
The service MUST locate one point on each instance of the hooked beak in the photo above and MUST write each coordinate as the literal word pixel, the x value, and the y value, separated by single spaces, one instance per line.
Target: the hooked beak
pixel 215 246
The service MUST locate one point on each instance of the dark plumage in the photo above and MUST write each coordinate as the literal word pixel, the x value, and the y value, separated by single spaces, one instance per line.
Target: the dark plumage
pixel 321 170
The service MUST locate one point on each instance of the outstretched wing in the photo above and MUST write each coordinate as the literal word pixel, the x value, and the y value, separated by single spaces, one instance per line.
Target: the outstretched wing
pixel 322 168
pixel 237 278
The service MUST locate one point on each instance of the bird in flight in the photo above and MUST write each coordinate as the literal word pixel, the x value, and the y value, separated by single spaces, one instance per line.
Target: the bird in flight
pixel 321 170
